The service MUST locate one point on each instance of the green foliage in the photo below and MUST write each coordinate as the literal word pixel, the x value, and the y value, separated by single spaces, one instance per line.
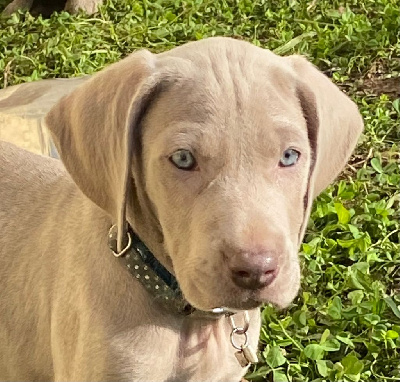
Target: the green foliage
pixel 345 40
pixel 345 324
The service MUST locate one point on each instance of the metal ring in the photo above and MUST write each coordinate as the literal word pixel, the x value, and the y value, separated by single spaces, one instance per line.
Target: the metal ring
pixel 119 254
pixel 239 332
pixel 246 325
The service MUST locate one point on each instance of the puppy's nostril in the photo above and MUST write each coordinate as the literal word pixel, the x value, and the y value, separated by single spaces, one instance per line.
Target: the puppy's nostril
pixel 241 273
pixel 269 276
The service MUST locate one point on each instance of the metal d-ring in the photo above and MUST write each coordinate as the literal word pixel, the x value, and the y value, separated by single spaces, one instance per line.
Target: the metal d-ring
pixel 127 247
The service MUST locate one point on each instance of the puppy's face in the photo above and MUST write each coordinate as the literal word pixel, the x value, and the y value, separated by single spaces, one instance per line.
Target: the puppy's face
pixel 226 144
pixel 226 159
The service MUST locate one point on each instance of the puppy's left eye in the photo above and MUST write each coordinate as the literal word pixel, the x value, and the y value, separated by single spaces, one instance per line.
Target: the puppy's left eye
pixel 289 158
pixel 184 160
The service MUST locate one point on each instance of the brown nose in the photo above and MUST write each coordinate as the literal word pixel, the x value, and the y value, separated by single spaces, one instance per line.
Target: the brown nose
pixel 254 270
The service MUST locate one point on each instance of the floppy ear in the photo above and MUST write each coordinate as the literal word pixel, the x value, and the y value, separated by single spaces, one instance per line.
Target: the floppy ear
pixel 334 123
pixel 94 130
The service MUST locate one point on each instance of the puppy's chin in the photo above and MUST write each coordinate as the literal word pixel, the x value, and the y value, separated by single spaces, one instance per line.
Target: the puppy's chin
pixel 239 299
pixel 255 300
pixel 246 300
pixel 248 304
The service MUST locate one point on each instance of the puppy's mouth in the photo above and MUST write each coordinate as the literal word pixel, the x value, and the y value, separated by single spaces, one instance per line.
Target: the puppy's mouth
pixel 206 290
pixel 250 303
pixel 234 298
pixel 247 299
pixel 239 301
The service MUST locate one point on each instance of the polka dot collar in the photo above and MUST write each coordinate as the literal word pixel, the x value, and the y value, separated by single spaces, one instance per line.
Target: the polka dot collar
pixel 155 278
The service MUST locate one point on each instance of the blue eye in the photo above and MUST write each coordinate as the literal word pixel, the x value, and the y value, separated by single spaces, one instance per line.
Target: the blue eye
pixel 183 159
pixel 289 158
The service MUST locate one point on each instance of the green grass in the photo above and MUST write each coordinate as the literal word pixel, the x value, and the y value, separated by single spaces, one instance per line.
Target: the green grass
pixel 345 324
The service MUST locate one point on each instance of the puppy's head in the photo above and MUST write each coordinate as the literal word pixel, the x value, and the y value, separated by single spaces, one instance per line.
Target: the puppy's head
pixel 220 147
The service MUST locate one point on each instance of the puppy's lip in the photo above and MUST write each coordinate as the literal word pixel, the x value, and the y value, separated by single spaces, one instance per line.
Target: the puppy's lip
pixel 253 303
pixel 245 305
pixel 243 301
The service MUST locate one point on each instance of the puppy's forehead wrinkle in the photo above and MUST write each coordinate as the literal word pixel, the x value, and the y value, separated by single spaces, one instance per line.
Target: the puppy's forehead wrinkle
pixel 226 69
pixel 235 98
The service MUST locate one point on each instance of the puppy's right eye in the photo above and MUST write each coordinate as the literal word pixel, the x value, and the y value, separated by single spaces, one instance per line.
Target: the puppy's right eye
pixel 184 160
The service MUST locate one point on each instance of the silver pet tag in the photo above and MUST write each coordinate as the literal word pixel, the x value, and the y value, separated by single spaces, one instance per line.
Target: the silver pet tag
pixel 246 355
pixel 250 354
pixel 243 362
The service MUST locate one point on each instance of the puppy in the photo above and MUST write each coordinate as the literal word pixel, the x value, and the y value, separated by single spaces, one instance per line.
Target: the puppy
pixel 205 160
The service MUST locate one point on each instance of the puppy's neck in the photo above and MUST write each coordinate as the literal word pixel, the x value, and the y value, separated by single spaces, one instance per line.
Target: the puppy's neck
pixel 153 239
